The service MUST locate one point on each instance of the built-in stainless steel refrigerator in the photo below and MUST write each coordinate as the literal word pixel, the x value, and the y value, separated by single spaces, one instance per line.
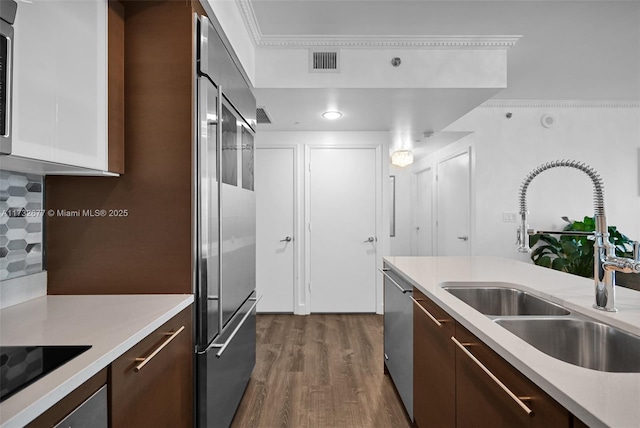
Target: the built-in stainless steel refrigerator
pixel 225 232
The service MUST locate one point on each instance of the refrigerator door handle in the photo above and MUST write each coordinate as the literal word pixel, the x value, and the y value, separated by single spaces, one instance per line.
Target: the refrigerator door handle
pixel 219 201
pixel 222 346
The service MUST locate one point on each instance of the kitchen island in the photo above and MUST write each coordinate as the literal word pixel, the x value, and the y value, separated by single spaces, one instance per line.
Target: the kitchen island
pixel 110 324
pixel 597 398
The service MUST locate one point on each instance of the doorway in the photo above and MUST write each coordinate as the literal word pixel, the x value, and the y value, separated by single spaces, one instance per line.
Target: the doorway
pixel 276 244
pixel 424 213
pixel 341 229
pixel 453 204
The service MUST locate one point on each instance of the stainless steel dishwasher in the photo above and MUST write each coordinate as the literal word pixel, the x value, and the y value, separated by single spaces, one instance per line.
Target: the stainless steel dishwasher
pixel 93 413
pixel 398 335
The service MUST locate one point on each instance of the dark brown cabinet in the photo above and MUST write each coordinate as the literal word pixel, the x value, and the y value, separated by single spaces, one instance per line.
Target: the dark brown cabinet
pixel 433 364
pixel 152 383
pixel 460 382
pixel 491 392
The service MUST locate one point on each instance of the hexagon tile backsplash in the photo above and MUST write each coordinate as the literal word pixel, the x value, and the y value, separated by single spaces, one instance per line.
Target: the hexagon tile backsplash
pixel 21 221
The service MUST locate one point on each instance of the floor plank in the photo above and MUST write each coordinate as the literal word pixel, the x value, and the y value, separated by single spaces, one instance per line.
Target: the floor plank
pixel 321 370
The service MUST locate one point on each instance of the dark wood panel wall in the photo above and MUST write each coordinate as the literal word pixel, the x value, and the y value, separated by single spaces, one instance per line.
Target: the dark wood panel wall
pixel 150 249
pixel 115 109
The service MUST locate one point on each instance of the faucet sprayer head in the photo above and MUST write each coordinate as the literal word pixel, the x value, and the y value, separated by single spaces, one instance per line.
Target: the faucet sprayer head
pixel 598 197
pixel 522 236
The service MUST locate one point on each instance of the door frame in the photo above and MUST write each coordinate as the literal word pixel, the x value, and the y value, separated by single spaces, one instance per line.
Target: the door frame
pixel 298 299
pixel 381 239
pixel 471 202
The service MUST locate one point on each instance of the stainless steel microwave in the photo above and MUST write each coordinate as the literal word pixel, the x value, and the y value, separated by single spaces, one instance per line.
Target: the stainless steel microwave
pixel 7 16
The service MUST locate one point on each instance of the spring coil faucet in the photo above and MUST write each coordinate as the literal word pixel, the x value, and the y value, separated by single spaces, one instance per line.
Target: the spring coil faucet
pixel 605 263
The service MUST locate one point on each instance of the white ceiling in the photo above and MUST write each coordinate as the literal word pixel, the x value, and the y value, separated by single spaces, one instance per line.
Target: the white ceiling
pixel 570 50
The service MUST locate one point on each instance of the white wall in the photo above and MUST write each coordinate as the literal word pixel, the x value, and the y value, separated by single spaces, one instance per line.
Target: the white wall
pixel 300 140
pixel 505 150
pixel 371 68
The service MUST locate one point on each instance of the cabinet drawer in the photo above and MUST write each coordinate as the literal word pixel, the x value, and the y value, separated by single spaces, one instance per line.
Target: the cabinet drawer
pixel 482 401
pixel 156 391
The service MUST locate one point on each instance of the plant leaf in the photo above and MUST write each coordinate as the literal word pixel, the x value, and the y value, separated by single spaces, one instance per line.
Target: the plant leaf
pixel 533 240
pixel 559 264
pixel 545 261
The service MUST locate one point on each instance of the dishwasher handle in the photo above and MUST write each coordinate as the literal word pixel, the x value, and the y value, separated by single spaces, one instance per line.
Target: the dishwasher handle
pixel 403 290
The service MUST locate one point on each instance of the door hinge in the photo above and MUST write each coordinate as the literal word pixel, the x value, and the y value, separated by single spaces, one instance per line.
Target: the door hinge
pixel 309 287
pixel 309 166
pixel 309 226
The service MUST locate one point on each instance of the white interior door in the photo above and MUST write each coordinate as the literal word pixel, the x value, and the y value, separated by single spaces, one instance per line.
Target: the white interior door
pixel 453 191
pixel 424 213
pixel 276 243
pixel 342 229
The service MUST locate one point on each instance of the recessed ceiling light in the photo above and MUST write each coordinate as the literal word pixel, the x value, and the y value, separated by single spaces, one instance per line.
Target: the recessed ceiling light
pixel 332 115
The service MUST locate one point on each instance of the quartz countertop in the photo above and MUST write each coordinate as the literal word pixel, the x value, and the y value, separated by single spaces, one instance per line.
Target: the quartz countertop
pixel 597 398
pixel 111 324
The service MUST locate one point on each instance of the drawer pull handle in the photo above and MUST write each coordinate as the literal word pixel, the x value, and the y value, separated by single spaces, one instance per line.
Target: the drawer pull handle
pixel 222 346
pixel 437 321
pixel 144 361
pixel 518 400
pixel 384 272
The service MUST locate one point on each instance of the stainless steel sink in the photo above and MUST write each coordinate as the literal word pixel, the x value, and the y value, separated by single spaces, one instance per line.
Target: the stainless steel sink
pixel 579 341
pixel 504 301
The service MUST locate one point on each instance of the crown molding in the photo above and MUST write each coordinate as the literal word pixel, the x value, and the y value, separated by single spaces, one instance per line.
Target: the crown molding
pixel 369 41
pixel 421 42
pixel 250 20
pixel 560 104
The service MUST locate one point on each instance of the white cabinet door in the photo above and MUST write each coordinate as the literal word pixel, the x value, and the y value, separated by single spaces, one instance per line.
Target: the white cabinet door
pixel 60 82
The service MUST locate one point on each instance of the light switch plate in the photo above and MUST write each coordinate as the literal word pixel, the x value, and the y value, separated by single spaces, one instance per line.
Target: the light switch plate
pixel 509 217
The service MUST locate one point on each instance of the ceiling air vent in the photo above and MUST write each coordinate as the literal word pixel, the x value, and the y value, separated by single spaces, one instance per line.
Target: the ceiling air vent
pixel 262 116
pixel 324 61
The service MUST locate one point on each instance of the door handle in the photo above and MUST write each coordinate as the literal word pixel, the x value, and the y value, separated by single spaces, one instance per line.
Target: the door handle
pixel 287 239
pixel 463 238
pixel 370 239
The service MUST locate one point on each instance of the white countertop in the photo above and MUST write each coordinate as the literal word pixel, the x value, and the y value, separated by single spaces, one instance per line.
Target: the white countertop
pixel 111 324
pixel 597 398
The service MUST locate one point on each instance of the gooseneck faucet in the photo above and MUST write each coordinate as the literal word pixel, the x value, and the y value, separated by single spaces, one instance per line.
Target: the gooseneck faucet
pixel 605 262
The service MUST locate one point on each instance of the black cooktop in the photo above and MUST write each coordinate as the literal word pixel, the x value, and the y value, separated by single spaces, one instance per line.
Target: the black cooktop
pixel 23 365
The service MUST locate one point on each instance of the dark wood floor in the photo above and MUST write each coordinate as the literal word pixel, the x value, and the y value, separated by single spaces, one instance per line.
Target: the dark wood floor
pixel 320 371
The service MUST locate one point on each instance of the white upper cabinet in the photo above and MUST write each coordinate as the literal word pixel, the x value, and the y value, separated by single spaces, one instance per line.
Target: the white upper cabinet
pixel 61 83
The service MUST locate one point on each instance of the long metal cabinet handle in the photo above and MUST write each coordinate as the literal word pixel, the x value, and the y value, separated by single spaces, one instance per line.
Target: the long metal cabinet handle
pixel 514 397
pixel 434 319
pixel 144 361
pixel 224 345
pixel 384 272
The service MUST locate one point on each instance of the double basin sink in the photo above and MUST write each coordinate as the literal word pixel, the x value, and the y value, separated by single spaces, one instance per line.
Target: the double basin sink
pixel 552 328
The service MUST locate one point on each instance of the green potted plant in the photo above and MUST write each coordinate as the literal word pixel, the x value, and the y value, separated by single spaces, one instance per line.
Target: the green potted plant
pixel 574 254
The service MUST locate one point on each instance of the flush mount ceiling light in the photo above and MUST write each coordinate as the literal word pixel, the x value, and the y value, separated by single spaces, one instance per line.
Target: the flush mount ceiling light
pixel 332 115
pixel 402 157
